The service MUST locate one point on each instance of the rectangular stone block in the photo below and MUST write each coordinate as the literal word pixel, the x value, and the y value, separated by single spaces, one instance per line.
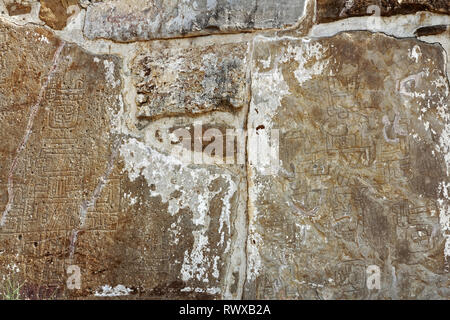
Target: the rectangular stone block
pixel 359 187
pixel 125 21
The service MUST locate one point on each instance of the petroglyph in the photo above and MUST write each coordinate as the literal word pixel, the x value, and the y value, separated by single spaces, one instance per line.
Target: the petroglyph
pixel 225 149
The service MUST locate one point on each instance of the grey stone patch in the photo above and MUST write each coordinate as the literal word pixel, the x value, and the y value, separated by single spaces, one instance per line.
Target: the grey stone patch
pixel 134 20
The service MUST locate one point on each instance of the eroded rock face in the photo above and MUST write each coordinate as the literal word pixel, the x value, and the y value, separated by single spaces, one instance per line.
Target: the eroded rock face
pixel 56 13
pixel 17 8
pixel 159 154
pixel 75 192
pixel 172 81
pixel 363 133
pixel 143 20
pixel 57 105
pixel 186 214
pixel 331 10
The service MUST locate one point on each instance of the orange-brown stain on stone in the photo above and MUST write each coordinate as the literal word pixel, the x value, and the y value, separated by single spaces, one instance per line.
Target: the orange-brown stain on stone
pixel 56 12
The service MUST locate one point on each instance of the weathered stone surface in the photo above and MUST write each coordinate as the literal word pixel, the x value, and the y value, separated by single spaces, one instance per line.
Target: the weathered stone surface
pixel 126 212
pixel 17 7
pixel 285 163
pixel 55 13
pixel 172 81
pixel 331 10
pixel 55 120
pixel 187 215
pixel 130 20
pixel 363 122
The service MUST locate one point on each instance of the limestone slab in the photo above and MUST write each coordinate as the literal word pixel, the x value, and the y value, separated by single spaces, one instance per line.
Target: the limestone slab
pixel 56 176
pixel 121 20
pixel 194 80
pixel 229 157
pixel 55 14
pixel 361 186
pixel 127 211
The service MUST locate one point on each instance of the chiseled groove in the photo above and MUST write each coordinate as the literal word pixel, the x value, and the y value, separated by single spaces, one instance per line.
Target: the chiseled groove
pixel 87 204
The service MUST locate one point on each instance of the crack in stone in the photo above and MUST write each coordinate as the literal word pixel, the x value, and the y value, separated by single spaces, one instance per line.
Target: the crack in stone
pixel 87 204
pixel 247 166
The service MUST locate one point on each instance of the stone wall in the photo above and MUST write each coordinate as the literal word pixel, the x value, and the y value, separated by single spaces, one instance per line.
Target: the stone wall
pixel 218 149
